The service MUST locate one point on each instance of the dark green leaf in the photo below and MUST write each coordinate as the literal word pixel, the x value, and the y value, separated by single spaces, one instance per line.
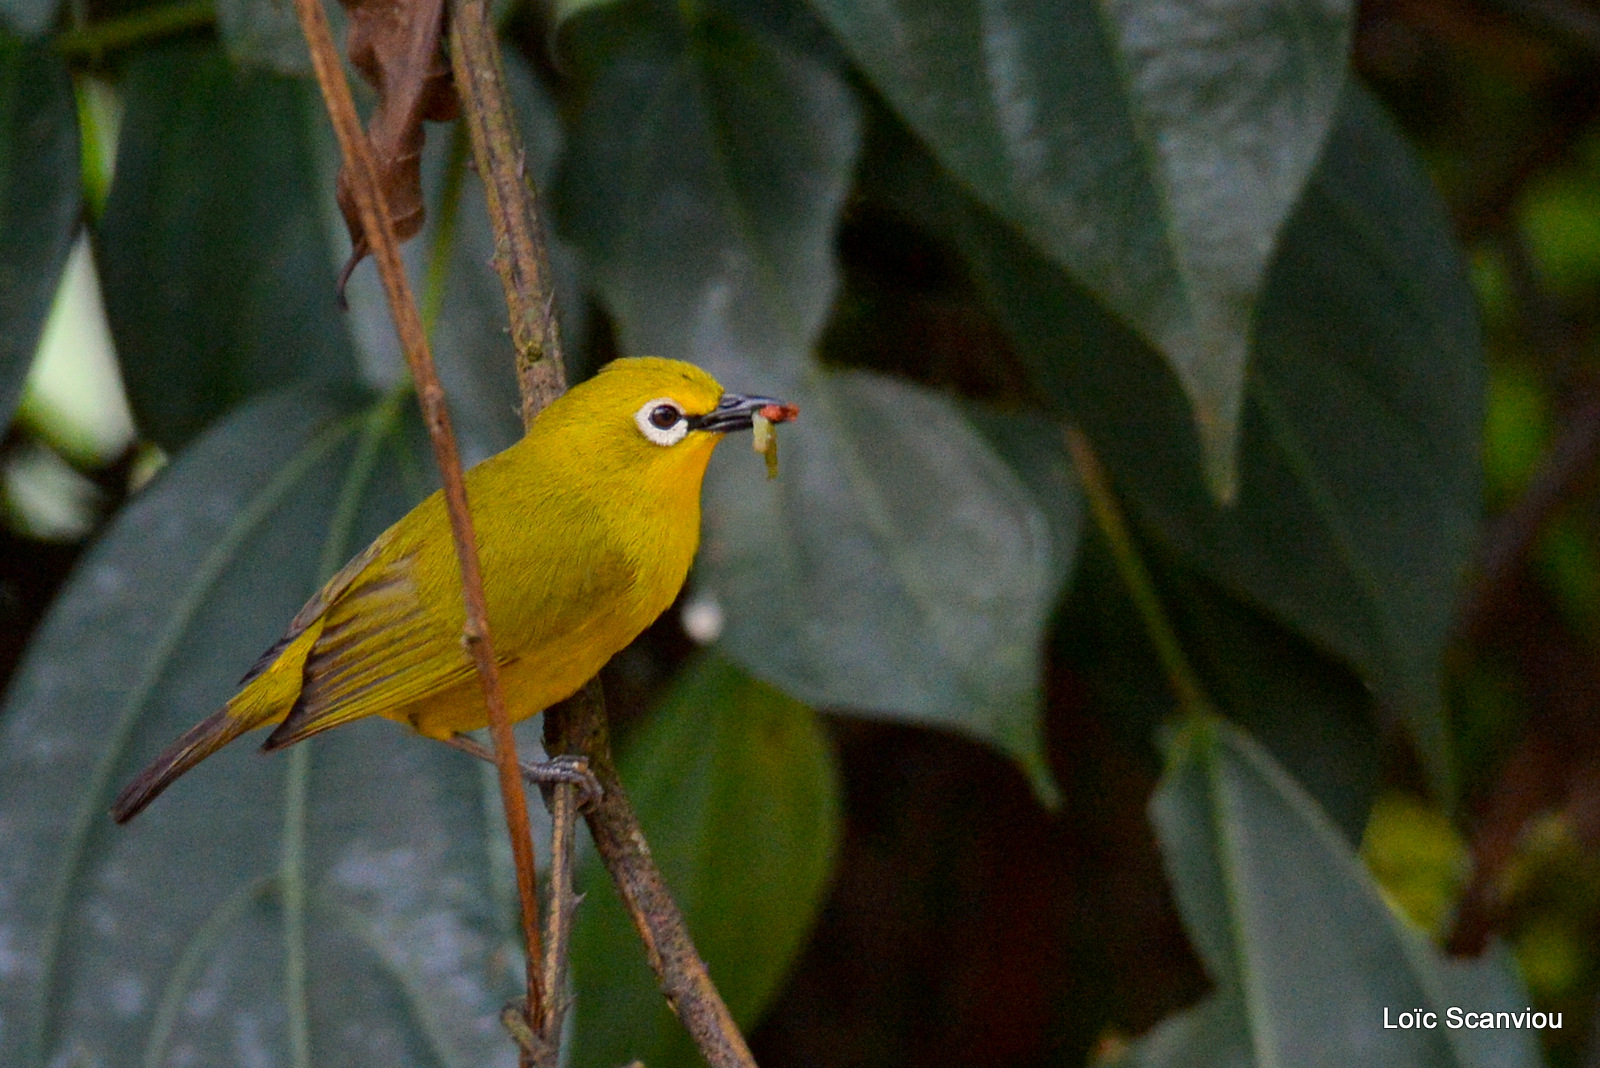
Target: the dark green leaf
pixel 1304 953
pixel 566 9
pixel 30 18
pixel 702 187
pixel 1310 712
pixel 897 567
pixel 266 34
pixel 360 857
pixel 40 198
pixel 218 273
pixel 1154 149
pixel 738 791
pixel 1033 446
pixel 1313 715
pixel 1359 471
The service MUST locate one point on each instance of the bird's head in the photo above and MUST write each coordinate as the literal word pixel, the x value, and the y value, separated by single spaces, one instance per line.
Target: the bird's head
pixel 664 414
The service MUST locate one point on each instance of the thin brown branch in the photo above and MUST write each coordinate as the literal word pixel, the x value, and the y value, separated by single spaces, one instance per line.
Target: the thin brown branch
pixel 1567 466
pixel 578 725
pixel 376 221
pixel 559 911
pixel 520 255
pixel 1511 537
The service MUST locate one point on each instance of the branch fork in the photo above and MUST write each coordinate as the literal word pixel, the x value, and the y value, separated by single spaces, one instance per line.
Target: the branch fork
pixel 577 726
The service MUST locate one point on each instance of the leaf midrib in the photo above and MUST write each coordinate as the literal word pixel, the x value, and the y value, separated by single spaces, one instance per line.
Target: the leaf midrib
pixel 210 571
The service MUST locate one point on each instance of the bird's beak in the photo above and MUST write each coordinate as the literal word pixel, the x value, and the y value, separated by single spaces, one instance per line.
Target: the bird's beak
pixel 734 412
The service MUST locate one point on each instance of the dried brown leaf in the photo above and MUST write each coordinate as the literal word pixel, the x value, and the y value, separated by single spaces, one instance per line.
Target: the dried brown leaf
pixel 395 46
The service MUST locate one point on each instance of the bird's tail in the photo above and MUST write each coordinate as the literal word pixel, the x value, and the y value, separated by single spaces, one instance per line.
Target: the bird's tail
pixel 270 690
pixel 197 743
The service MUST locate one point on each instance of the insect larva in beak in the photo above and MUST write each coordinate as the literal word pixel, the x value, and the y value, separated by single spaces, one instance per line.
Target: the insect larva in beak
pixel 764 441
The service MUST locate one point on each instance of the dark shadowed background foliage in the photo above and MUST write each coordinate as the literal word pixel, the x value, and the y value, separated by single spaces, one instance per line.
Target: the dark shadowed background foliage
pixel 908 749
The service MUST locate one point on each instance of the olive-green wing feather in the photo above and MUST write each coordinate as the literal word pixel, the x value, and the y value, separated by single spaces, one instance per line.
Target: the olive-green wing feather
pixel 379 648
pixel 341 581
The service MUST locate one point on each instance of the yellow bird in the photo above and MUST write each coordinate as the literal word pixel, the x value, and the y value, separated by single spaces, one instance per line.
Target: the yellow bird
pixel 586 529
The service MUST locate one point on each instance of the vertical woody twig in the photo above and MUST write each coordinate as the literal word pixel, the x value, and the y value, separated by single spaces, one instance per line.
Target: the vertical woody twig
pixel 520 255
pixel 577 725
pixel 376 223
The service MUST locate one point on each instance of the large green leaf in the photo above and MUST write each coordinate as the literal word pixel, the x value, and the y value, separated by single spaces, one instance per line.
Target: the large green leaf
pixel 29 18
pixel 1154 149
pixel 39 200
pixel 266 33
pixel 1305 955
pixel 218 274
pixel 1359 473
pixel 338 892
pixel 1033 446
pixel 897 567
pixel 738 791
pixel 702 186
pixel 1310 711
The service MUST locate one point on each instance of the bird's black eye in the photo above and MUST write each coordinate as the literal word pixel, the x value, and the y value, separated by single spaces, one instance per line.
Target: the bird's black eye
pixel 664 417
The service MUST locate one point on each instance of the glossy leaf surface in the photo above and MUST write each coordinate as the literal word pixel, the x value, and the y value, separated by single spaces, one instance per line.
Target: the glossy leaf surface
pixel 357 864
pixel 897 567
pixel 266 34
pixel 29 18
pixel 40 197
pixel 702 189
pixel 1309 711
pixel 1303 950
pixel 737 789
pixel 218 273
pixel 1359 472
pixel 1154 149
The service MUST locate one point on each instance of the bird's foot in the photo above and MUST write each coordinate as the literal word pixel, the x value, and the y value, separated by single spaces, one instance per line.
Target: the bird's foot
pixel 566 768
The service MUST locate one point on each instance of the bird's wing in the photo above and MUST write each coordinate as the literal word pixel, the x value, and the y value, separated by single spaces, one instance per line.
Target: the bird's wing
pixel 318 604
pixel 380 648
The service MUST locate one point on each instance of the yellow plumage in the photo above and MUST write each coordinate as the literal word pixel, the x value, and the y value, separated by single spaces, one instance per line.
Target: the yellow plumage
pixel 586 530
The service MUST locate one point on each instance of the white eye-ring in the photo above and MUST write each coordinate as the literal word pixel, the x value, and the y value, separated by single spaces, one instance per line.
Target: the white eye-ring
pixel 662 422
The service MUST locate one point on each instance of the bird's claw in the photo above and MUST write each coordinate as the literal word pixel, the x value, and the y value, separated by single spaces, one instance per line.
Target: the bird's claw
pixel 566 768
